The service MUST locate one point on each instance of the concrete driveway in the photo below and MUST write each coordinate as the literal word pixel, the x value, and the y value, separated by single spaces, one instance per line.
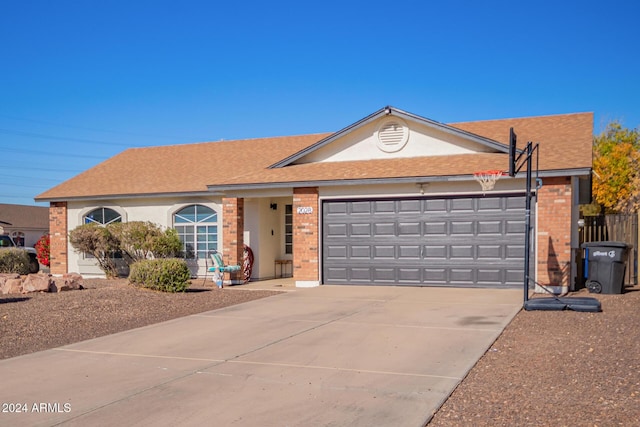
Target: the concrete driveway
pixel 326 356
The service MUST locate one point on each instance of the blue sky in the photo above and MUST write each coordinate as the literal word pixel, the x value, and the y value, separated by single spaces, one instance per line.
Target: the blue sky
pixel 82 81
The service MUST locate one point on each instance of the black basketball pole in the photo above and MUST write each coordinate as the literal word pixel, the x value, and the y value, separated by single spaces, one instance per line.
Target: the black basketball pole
pixel 527 225
pixel 515 164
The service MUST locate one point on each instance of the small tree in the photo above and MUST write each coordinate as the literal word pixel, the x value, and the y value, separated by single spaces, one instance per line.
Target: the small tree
pixel 97 241
pixel 144 240
pixel 616 157
pixel 167 244
pixel 632 203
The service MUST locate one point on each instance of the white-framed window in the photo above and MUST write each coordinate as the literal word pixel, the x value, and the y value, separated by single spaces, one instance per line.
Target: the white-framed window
pixel 102 216
pixel 197 227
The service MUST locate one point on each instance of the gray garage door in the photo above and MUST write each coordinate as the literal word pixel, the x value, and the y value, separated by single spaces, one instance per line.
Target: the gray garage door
pixel 457 241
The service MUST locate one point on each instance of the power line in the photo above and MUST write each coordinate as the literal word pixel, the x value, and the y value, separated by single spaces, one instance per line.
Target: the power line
pixel 26 185
pixel 89 128
pixel 28 177
pixel 17 196
pixel 35 167
pixel 61 138
pixel 49 153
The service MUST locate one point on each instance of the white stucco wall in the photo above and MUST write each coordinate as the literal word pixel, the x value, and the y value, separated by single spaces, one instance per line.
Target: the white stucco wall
pixel 265 228
pixel 157 210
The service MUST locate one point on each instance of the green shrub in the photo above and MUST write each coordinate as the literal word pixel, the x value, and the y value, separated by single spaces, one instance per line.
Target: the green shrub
pixel 14 261
pixel 167 275
pixel 167 245
pixel 140 240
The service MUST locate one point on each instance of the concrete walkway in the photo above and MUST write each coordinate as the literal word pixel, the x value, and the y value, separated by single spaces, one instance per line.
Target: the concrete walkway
pixel 326 356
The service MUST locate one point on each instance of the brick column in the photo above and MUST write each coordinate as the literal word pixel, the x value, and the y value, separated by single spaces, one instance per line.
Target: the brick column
pixel 59 240
pixel 554 234
pixel 233 235
pixel 305 237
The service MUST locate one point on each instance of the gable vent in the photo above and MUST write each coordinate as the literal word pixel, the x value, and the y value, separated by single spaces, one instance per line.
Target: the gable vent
pixel 392 136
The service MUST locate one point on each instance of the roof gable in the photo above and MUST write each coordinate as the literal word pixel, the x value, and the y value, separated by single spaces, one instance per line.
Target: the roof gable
pixel 390 133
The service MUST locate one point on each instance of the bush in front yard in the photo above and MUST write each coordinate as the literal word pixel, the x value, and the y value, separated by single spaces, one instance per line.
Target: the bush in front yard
pixel 96 240
pixel 43 248
pixel 139 240
pixel 167 275
pixel 14 261
pixel 132 241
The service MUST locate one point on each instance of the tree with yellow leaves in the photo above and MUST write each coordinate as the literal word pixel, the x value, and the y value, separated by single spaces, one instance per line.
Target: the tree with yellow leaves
pixel 616 159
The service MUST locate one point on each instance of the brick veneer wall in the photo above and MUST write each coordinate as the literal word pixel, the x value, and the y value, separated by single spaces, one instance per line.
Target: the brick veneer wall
pixel 554 232
pixel 233 234
pixel 58 234
pixel 305 235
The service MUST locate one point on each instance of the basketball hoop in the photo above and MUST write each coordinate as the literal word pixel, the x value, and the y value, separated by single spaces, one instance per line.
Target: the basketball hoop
pixel 487 179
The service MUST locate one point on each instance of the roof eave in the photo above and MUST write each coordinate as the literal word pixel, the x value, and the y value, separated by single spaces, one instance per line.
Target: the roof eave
pixel 219 190
pixel 128 196
pixel 381 181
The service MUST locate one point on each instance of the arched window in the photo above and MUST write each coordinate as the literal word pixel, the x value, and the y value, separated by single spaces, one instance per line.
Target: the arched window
pixel 197 227
pixel 102 216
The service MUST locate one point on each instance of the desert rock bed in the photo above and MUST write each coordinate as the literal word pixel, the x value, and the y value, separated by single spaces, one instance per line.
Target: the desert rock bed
pixel 556 368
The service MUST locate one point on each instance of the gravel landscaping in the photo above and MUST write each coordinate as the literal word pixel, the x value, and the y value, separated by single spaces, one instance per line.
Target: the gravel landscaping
pixel 547 368
pixel 559 368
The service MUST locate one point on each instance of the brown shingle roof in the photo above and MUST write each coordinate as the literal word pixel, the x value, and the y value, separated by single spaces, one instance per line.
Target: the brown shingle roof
pixel 369 169
pixel 178 168
pixel 565 143
pixel 565 140
pixel 24 217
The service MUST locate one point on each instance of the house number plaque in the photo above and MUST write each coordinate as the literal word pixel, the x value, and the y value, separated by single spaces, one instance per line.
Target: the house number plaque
pixel 305 210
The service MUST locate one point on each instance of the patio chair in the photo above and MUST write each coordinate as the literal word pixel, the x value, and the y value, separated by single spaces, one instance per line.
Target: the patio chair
pixel 218 269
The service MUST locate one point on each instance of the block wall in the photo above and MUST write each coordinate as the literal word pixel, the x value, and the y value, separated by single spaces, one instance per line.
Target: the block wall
pixel 58 229
pixel 305 234
pixel 233 235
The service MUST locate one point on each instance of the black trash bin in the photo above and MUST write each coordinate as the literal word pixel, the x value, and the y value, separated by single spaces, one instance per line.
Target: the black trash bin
pixel 606 266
